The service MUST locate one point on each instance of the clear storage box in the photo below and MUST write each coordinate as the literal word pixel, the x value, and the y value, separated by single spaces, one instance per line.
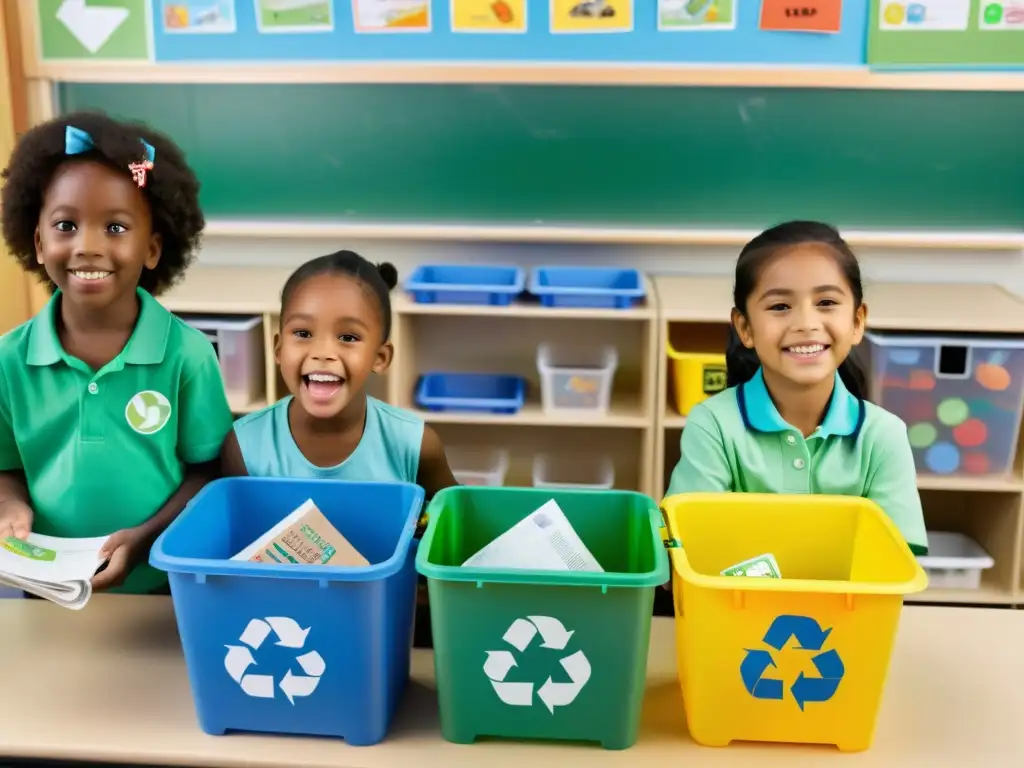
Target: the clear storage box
pixel 954 561
pixel 552 470
pixel 238 341
pixel 961 397
pixel 576 378
pixel 478 466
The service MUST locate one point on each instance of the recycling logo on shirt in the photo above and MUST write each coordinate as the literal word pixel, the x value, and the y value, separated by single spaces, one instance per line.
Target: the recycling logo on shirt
pixel 810 638
pixel 554 637
pixel 239 660
pixel 148 412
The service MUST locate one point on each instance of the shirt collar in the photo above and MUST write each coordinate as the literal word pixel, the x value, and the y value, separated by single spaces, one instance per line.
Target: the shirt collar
pixel 147 345
pixel 844 417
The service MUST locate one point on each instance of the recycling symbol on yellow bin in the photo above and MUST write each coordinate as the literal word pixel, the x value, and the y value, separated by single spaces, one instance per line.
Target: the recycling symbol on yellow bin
pixel 289 634
pixel 553 636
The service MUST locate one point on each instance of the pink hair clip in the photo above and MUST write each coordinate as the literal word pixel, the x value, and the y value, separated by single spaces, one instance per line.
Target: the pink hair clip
pixel 139 171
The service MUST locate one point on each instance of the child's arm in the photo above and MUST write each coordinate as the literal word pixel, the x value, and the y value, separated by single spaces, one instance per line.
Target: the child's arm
pixel 15 513
pixel 703 466
pixel 892 482
pixel 434 474
pixel 204 418
pixel 231 462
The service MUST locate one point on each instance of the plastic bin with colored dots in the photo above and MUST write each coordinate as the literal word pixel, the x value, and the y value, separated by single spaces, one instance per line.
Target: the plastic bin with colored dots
pixel 529 654
pixel 314 650
pixel 696 376
pixel 801 659
pixel 961 397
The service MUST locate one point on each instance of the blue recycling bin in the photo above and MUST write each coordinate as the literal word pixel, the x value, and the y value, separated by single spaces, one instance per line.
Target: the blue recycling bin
pixel 314 650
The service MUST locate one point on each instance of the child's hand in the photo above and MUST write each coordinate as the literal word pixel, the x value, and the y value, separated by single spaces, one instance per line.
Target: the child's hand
pixel 15 519
pixel 121 552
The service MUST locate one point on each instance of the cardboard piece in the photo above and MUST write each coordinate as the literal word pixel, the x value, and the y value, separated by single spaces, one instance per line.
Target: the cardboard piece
pixel 305 537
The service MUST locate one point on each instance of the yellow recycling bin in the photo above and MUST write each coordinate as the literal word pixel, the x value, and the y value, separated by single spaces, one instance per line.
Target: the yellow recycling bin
pixel 801 659
pixel 696 376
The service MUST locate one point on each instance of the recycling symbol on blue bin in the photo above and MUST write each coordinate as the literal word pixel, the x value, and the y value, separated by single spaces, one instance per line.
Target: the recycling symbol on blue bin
pixel 809 637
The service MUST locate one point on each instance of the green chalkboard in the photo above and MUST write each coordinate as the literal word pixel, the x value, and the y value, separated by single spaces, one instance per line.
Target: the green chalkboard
pixel 684 157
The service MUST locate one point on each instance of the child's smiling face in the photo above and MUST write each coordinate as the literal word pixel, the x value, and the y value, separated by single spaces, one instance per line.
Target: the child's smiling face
pixel 801 318
pixel 331 340
pixel 95 234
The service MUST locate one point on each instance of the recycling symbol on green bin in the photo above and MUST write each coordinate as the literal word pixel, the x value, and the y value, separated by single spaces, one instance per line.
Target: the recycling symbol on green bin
pixel 553 636
pixel 809 637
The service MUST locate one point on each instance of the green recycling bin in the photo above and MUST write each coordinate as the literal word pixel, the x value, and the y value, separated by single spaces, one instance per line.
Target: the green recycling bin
pixel 542 654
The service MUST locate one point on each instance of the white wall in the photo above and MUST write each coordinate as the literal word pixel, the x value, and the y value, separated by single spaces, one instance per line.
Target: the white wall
pixel 1004 268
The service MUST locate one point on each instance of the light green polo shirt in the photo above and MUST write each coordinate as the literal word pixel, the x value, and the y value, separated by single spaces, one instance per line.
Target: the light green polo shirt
pixel 737 441
pixel 104 450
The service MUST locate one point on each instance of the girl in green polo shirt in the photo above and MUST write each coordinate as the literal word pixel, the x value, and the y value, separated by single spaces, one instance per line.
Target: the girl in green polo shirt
pixel 112 411
pixel 795 418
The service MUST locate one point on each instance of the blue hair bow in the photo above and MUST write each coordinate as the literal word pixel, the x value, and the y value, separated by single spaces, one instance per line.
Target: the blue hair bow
pixel 77 141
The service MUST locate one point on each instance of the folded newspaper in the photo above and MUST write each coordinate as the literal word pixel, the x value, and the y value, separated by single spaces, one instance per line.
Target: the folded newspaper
pixel 544 541
pixel 59 570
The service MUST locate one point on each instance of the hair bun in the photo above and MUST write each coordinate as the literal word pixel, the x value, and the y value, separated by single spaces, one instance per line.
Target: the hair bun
pixel 388 273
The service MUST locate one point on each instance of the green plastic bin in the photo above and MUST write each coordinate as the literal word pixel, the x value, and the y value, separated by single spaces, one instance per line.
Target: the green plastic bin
pixel 542 654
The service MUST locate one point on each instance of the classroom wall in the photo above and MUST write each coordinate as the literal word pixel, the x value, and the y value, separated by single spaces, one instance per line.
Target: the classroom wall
pixel 1005 268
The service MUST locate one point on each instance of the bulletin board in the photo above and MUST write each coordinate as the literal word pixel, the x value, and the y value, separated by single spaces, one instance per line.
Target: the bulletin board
pixel 946 34
pixel 522 31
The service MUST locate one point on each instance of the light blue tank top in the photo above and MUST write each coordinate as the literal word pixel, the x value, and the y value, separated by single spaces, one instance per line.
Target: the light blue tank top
pixel 388 451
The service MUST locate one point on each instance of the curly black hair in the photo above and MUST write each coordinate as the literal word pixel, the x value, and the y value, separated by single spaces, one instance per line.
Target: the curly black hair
pixel 172 189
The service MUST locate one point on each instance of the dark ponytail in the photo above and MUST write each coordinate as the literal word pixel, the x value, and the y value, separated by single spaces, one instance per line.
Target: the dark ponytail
pixel 742 363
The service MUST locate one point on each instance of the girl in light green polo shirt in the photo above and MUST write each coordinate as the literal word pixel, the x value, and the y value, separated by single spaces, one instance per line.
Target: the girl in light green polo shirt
pixel 795 418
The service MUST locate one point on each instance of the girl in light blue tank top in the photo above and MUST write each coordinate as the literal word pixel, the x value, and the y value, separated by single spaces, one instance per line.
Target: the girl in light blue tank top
pixel 334 334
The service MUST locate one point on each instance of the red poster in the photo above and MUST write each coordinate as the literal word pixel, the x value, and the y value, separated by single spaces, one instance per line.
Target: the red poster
pixel 802 16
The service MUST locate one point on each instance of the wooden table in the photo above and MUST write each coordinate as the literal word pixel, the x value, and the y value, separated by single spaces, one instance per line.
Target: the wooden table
pixel 109 684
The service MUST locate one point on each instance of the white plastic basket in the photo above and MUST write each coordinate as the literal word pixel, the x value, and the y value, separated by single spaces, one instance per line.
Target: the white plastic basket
pixel 954 561
pixel 579 472
pixel 478 466
pixel 576 378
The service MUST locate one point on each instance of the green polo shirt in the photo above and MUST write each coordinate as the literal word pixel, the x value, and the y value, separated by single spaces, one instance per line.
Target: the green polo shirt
pixel 104 450
pixel 737 441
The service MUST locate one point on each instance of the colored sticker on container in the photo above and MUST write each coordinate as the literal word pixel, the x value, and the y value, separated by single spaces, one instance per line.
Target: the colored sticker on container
pixel 922 435
pixel 821 16
pixel 591 16
pixel 696 15
pixel 488 16
pixel 971 433
pixel 942 459
pixel 391 15
pixel 952 411
pixel 977 463
pixel 199 17
pixel 1008 14
pixel 925 15
pixel 294 16
pixel 992 377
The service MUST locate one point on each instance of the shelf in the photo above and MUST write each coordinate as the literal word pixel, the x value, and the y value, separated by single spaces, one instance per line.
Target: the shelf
pixel 933 307
pixel 401 303
pixel 623 413
pixel 980 483
pixel 517 73
pixel 228 290
pixel 672 419
pixel 568 232
pixel 987 594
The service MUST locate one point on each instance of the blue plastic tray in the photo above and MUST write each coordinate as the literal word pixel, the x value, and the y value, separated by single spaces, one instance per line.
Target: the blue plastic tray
pixel 452 284
pixel 483 392
pixel 249 630
pixel 599 287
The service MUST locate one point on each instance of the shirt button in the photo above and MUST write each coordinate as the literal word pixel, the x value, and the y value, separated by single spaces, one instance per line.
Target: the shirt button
pixel 798 463
pixel 790 439
pixel 93 387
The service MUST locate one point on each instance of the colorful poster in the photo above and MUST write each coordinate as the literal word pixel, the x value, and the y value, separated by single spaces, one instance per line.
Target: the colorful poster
pixel 291 16
pixel 488 15
pixel 115 30
pixel 696 15
pixel 925 15
pixel 590 16
pixel 199 16
pixel 822 16
pixel 1008 14
pixel 391 15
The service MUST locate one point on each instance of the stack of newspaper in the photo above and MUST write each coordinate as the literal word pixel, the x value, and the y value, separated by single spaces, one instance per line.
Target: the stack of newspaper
pixel 543 541
pixel 59 570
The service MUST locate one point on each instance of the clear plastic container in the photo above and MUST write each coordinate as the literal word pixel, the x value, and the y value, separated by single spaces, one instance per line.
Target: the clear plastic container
pixel 567 471
pixel 478 466
pixel 954 561
pixel 961 397
pixel 240 349
pixel 576 378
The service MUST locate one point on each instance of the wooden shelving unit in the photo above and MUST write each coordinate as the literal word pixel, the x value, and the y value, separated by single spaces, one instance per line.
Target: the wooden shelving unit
pixel 694 312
